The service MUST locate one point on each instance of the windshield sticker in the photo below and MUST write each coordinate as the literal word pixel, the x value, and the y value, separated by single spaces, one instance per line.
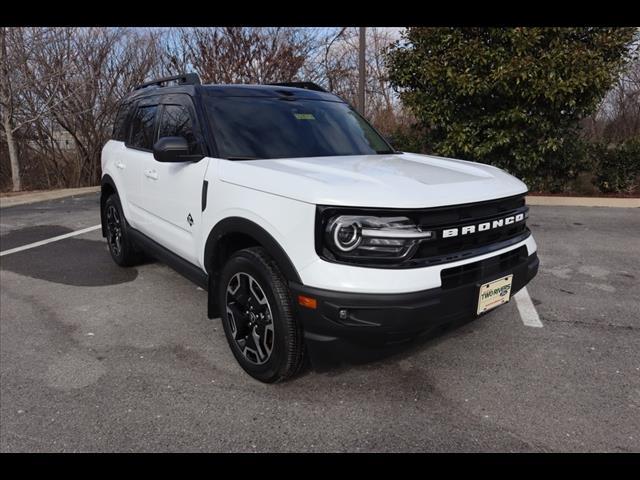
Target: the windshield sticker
pixel 304 116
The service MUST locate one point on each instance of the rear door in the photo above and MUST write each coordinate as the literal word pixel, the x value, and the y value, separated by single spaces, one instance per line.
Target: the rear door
pixel 172 192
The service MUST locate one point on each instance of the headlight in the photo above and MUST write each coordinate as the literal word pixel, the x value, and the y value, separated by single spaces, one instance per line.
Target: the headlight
pixel 369 237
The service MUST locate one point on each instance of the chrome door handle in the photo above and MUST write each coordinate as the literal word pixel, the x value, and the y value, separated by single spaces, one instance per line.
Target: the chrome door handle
pixel 152 174
pixel 120 165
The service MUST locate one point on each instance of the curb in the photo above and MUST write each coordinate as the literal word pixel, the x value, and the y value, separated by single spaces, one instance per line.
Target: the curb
pixel 554 201
pixel 41 196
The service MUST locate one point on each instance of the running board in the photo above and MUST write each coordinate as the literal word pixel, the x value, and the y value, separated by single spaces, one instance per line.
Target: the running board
pixel 179 264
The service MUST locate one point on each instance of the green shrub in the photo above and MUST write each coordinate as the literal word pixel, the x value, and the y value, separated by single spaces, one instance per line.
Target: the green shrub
pixel 409 139
pixel 510 97
pixel 616 167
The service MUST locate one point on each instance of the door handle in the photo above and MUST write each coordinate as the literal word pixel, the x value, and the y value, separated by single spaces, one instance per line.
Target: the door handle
pixel 120 165
pixel 152 174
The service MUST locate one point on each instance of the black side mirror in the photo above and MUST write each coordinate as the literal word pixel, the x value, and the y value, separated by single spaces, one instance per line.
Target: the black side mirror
pixel 173 149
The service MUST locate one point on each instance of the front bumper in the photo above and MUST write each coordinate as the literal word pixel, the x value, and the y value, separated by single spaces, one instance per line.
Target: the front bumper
pixel 376 320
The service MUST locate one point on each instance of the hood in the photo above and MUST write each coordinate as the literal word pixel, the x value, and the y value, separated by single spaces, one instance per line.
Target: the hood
pixel 395 181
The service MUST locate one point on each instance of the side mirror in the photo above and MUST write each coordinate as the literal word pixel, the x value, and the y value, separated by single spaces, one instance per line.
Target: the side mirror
pixel 173 149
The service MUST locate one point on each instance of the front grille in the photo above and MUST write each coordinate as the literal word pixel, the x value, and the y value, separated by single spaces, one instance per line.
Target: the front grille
pixel 443 250
pixel 473 272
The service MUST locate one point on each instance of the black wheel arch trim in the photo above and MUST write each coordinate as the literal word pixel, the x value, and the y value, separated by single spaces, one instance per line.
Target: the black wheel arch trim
pixel 232 225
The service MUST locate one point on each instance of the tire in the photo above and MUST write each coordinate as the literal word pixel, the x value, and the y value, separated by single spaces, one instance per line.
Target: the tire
pixel 122 248
pixel 257 317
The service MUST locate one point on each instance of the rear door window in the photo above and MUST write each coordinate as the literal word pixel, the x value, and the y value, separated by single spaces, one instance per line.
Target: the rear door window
pixel 143 127
pixel 121 123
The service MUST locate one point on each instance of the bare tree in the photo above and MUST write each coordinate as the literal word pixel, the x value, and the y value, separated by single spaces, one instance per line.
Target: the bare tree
pixel 337 69
pixel 618 117
pixel 100 66
pixel 7 106
pixel 239 54
pixel 622 110
pixel 18 48
pixel 59 92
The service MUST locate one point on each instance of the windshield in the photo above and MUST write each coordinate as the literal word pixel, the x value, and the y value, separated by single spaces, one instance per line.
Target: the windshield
pixel 247 128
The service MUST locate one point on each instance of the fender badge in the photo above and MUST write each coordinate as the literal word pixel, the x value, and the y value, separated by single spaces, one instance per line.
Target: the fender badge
pixel 190 220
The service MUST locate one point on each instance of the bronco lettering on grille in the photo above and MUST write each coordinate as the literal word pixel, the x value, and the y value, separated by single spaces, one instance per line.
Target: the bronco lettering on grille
pixel 482 227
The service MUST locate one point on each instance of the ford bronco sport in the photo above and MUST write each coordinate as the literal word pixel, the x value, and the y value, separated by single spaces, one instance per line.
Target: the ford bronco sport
pixel 311 234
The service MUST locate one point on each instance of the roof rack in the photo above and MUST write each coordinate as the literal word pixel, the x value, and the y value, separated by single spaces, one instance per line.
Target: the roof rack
pixel 305 85
pixel 184 79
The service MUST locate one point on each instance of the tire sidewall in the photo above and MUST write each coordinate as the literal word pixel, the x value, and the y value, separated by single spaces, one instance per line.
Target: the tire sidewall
pixel 270 370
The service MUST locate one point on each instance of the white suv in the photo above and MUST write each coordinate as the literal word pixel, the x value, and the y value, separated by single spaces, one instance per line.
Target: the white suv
pixel 312 235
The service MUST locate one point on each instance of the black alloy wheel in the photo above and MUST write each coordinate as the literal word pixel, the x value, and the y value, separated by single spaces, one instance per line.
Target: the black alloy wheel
pixel 250 318
pixel 122 248
pixel 114 230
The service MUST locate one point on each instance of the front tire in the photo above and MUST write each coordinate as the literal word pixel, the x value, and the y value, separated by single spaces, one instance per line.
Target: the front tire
pixel 257 317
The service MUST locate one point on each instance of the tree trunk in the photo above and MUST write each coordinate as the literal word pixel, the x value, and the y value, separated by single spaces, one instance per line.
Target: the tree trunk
pixel 13 152
pixel 5 102
pixel 362 70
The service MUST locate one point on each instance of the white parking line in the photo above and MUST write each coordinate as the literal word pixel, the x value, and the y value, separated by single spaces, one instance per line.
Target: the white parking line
pixel 49 240
pixel 527 310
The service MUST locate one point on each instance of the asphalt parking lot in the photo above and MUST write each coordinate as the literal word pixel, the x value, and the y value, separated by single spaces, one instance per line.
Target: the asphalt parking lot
pixel 98 358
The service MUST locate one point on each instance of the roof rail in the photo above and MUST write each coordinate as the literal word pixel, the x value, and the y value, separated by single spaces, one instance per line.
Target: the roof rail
pixel 184 79
pixel 305 85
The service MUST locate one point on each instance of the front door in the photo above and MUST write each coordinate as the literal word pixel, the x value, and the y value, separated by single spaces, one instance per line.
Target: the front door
pixel 172 192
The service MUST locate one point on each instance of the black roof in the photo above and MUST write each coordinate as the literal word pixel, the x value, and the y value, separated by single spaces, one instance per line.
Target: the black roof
pixel 235 90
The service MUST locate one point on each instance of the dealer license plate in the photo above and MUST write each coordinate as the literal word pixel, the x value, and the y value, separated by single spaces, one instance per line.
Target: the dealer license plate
pixel 494 293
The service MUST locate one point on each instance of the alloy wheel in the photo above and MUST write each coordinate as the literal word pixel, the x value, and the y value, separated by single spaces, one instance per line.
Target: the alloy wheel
pixel 250 318
pixel 114 230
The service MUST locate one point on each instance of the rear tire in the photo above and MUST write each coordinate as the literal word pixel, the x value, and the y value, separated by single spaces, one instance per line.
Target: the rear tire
pixel 121 246
pixel 257 317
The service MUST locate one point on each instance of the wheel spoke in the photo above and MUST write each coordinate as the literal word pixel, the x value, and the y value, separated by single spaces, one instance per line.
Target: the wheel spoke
pixel 239 326
pixel 256 293
pixel 267 339
pixel 257 341
pixel 251 346
pixel 240 293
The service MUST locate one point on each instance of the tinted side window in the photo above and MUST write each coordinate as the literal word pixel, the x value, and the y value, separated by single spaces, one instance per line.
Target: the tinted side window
pixel 142 127
pixel 176 122
pixel 121 123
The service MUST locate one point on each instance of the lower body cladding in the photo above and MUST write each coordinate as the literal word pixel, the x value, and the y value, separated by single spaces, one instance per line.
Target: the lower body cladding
pixel 355 327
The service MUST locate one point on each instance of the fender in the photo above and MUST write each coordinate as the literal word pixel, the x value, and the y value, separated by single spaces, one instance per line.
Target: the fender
pixel 106 180
pixel 235 225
